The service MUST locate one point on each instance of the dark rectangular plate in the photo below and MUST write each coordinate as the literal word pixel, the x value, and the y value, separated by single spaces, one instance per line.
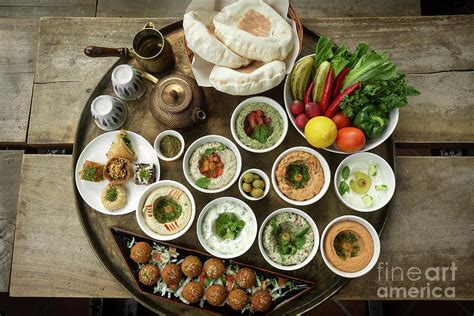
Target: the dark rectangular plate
pixel 122 237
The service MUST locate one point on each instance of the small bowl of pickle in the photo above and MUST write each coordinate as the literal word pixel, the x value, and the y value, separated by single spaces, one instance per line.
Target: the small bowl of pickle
pixel 169 145
pixel 254 184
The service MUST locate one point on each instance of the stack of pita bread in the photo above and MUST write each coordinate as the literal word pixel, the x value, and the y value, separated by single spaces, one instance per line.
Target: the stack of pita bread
pixel 247 42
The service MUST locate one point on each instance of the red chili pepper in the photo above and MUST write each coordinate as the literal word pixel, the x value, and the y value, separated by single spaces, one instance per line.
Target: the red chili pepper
pixel 339 80
pixel 230 282
pixel 326 97
pixel 335 103
pixel 307 96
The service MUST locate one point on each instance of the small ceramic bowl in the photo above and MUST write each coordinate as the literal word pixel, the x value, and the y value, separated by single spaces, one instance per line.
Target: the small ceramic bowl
pixel 156 144
pixel 271 103
pixel 311 223
pixel 251 235
pixel 141 220
pixel 128 82
pixel 324 166
pixel 373 234
pixel 109 113
pixel 204 140
pixel 386 172
pixel 262 176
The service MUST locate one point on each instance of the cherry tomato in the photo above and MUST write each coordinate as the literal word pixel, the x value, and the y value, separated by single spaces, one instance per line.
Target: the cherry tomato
pixel 350 139
pixel 341 121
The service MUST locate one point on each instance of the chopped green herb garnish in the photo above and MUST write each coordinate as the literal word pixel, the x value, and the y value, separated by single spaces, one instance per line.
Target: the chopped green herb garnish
pixel 89 173
pixel 228 226
pixel 261 133
pixel 112 194
pixel 144 174
pixel 203 182
pixel 297 175
pixel 166 210
pixel 210 151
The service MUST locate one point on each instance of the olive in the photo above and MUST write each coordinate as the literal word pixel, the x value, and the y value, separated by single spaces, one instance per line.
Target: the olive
pixel 248 177
pixel 256 177
pixel 257 193
pixel 258 184
pixel 247 187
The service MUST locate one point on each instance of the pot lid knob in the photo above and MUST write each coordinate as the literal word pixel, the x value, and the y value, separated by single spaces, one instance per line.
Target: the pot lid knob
pixel 174 95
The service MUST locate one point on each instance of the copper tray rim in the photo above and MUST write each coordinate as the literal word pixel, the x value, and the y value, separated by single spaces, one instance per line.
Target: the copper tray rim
pixel 312 303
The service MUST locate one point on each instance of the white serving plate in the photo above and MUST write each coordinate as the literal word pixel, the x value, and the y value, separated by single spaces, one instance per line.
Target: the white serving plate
pixel 96 151
pixel 369 144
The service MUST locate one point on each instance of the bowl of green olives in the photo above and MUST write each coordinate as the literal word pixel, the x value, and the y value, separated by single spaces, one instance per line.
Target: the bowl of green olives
pixel 254 184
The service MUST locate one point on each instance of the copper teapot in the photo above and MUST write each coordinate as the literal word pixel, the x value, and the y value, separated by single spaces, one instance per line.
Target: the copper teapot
pixel 177 101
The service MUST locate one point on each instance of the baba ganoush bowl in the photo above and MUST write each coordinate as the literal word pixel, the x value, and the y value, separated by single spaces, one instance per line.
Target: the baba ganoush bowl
pixel 217 237
pixel 369 144
pixel 298 230
pixel 301 176
pixel 166 210
pixel 364 182
pixel 212 164
pixel 350 246
pixel 273 119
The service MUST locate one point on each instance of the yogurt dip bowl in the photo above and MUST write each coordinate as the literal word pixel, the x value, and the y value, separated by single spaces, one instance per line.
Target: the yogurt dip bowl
pixel 216 150
pixel 299 231
pixel 350 246
pixel 217 237
pixel 277 122
pixel 364 182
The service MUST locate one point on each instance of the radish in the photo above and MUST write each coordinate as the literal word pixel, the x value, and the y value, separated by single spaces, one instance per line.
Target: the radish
pixel 301 120
pixel 312 109
pixel 297 107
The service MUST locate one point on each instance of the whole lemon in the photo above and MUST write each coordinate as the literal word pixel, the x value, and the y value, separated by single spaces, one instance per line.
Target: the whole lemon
pixel 320 131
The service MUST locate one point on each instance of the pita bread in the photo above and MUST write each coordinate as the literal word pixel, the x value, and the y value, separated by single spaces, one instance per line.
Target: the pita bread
pixel 199 33
pixel 253 29
pixel 254 78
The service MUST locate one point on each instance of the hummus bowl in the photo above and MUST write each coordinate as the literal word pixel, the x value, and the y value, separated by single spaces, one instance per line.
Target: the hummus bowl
pixel 277 123
pixel 301 176
pixel 350 246
pixel 166 210
pixel 364 182
pixel 212 164
pixel 216 227
pixel 369 144
pixel 288 239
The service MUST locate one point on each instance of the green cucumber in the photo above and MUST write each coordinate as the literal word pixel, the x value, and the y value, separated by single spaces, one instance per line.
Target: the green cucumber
pixel 320 80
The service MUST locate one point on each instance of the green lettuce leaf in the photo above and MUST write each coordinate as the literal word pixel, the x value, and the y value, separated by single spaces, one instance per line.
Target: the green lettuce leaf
pixel 371 66
pixel 323 51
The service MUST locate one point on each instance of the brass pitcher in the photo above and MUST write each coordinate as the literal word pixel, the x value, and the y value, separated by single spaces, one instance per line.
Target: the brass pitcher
pixel 151 50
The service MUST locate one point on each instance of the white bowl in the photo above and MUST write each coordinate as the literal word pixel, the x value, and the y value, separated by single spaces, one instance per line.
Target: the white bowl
pixel 385 169
pixel 373 234
pixel 201 218
pixel 271 103
pixel 146 193
pixel 326 171
pixel 158 139
pixel 263 176
pixel 313 227
pixel 207 139
pixel 369 144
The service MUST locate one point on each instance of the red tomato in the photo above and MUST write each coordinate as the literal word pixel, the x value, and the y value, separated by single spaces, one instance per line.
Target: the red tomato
pixel 350 139
pixel 341 121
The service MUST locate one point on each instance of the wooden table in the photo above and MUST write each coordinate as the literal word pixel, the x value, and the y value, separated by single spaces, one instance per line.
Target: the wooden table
pixel 431 222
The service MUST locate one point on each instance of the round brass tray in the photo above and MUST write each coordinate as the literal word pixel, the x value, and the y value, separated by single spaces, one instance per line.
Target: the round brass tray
pixel 219 109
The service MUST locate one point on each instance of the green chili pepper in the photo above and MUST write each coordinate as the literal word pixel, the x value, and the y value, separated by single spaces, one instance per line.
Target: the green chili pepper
pixel 371 121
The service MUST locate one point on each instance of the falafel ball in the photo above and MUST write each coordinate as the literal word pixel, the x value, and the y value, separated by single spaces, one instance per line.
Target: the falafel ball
pixel 245 278
pixel 237 299
pixel 172 274
pixel 141 252
pixel 193 292
pixel 191 266
pixel 261 301
pixel 214 268
pixel 216 294
pixel 149 274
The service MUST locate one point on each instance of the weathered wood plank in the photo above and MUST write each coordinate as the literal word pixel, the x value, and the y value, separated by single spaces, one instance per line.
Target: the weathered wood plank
pixel 65 77
pixel 305 8
pixel 18 43
pixel 51 255
pixel 39 8
pixel 418 45
pixel 431 224
pixel 10 169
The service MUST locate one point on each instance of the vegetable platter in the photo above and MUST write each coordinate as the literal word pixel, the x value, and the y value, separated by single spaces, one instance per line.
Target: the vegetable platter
pixel 219 109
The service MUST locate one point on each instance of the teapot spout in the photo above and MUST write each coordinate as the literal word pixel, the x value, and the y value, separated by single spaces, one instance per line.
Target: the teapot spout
pixel 198 115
